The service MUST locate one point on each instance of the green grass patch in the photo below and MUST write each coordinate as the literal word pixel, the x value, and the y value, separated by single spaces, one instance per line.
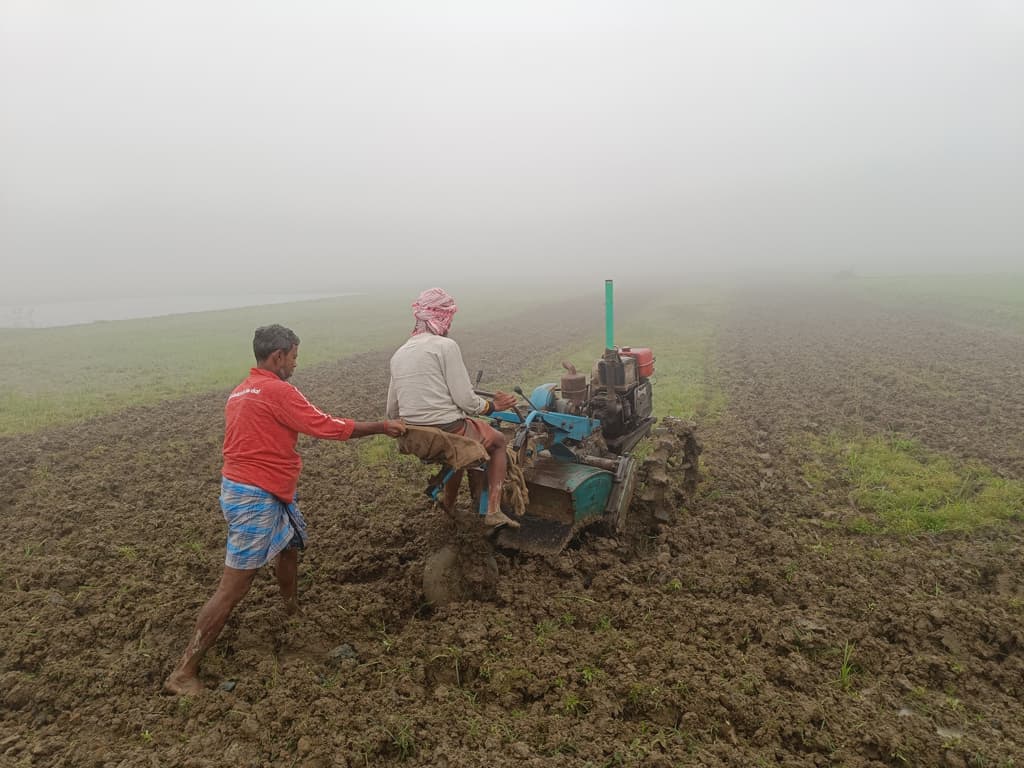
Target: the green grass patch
pixel 909 489
pixel 681 333
pixel 847 669
pixel 380 451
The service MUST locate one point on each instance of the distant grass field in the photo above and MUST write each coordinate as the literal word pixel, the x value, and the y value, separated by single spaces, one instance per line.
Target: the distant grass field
pixel 71 373
pixel 990 300
pixel 66 374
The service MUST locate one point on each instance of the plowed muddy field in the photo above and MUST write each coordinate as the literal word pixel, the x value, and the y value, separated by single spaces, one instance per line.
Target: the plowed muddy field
pixel 758 630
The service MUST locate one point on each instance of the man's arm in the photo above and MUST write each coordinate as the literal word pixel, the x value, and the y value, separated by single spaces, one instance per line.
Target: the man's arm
pixel 459 386
pixel 390 427
pixel 296 412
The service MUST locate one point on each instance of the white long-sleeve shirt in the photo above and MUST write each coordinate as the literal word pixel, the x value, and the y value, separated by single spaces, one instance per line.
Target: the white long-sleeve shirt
pixel 430 384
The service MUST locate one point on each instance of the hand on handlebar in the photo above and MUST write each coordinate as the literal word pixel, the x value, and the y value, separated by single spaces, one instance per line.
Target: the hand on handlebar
pixel 503 401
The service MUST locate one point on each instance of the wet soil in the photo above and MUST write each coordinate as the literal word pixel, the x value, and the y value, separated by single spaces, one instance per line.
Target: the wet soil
pixel 720 642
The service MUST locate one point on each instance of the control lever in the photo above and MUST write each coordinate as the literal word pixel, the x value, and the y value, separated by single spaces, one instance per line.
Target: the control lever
pixel 476 385
pixel 515 409
pixel 490 395
pixel 519 442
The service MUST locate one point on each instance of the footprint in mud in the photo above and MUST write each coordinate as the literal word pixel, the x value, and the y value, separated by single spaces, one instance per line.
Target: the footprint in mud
pixel 1003 583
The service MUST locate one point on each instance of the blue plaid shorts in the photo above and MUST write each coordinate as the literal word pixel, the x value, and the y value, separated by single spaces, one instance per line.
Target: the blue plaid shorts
pixel 260 525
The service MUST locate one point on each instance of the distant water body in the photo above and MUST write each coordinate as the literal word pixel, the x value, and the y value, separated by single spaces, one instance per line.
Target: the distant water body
pixel 48 315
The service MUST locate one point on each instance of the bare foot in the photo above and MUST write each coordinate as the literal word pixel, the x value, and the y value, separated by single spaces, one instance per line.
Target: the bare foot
pixel 495 519
pixel 291 607
pixel 181 684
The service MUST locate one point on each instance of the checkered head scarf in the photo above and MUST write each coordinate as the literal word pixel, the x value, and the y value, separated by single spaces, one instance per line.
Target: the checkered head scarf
pixel 433 310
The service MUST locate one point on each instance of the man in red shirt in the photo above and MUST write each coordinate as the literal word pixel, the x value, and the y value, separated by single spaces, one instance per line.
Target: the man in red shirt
pixel 263 418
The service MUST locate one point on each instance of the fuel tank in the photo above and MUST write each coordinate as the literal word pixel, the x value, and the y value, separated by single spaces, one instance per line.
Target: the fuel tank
pixel 644 359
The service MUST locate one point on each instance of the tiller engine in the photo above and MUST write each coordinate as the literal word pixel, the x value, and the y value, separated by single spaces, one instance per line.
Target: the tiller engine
pixel 579 448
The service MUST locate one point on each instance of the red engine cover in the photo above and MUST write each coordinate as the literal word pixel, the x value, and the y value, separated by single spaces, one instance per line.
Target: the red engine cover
pixel 644 359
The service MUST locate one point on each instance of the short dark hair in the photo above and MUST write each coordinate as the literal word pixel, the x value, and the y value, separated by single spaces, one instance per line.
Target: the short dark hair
pixel 270 338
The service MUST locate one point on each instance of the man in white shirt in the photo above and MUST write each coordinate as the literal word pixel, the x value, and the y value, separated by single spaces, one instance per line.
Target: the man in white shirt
pixel 430 386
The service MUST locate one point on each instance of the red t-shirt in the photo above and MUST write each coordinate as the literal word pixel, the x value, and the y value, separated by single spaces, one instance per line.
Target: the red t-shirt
pixel 263 418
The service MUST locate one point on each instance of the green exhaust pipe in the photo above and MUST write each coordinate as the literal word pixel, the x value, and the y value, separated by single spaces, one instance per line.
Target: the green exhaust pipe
pixel 609 316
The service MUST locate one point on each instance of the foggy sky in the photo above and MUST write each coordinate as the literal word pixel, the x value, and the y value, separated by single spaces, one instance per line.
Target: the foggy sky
pixel 148 146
